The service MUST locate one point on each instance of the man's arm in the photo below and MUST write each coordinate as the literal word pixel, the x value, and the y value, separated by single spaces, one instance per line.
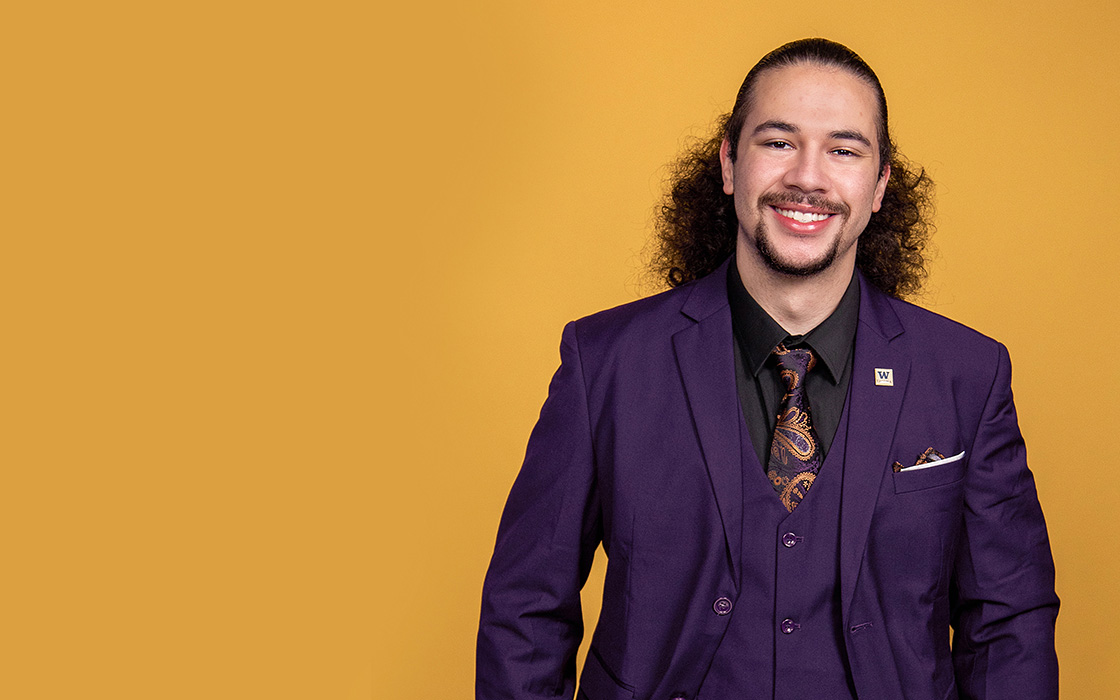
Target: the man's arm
pixel 1003 600
pixel 532 622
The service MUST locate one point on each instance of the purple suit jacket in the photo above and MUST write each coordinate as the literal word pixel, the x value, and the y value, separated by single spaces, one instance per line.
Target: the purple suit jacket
pixel 638 446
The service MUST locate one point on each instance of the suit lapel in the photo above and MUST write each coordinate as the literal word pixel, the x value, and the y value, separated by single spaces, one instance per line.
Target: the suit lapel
pixel 874 411
pixel 704 353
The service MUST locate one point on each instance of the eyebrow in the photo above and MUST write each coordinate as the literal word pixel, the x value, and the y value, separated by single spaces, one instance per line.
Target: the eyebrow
pixel 844 134
pixel 776 125
pixel 851 136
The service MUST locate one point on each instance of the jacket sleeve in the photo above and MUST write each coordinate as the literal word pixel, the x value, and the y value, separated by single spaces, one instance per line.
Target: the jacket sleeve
pixel 1003 600
pixel 532 622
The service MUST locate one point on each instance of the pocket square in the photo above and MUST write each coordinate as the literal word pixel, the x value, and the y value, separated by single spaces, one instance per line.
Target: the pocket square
pixel 929 458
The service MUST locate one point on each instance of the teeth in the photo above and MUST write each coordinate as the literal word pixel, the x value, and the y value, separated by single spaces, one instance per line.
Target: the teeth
pixel 802 216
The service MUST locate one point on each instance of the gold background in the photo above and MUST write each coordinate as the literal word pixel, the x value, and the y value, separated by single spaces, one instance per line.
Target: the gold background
pixel 283 286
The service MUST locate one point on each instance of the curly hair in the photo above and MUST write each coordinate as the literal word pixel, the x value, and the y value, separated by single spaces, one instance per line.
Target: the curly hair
pixel 696 226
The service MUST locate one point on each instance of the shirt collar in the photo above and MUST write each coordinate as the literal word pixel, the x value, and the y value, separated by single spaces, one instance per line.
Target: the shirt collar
pixel 758 334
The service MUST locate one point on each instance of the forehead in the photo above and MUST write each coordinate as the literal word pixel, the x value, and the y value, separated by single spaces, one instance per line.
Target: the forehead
pixel 811 96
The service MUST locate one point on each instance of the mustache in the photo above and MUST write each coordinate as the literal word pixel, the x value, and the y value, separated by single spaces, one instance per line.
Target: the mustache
pixel 777 199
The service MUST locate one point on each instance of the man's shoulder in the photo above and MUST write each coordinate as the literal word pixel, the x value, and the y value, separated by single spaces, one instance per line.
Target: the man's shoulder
pixel 914 316
pixel 657 316
pixel 934 335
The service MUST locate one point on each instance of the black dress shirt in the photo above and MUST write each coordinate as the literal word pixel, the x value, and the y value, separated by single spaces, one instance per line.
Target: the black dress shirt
pixel 756 372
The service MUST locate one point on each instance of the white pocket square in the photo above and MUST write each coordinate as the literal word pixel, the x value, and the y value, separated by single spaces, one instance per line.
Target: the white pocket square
pixel 933 460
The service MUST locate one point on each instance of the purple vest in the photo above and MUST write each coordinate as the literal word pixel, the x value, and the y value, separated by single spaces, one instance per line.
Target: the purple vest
pixel 784 639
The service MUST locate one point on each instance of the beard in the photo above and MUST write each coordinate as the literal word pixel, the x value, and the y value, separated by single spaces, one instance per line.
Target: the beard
pixel 765 246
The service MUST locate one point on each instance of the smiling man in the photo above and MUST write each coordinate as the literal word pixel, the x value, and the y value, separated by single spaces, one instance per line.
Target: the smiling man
pixel 805 486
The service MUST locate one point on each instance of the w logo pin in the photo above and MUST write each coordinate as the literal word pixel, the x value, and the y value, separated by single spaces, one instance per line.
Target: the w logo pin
pixel 884 377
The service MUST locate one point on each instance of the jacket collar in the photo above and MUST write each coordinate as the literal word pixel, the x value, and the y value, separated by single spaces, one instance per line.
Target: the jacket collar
pixel 873 410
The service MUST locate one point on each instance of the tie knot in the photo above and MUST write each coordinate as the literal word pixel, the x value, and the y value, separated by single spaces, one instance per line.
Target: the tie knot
pixel 799 360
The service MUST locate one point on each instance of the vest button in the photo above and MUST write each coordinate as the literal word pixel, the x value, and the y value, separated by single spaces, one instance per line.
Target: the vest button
pixel 789 539
pixel 722 606
pixel 789 626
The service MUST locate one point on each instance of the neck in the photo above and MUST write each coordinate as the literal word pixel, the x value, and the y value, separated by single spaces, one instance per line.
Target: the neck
pixel 797 304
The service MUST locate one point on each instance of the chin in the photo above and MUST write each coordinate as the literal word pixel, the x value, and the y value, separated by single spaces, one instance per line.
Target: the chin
pixel 788 265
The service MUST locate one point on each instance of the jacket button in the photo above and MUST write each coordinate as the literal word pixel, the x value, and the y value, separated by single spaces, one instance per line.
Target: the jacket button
pixel 789 539
pixel 722 606
pixel 789 626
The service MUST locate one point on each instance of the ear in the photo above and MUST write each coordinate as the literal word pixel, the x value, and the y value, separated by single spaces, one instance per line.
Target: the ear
pixel 880 188
pixel 727 167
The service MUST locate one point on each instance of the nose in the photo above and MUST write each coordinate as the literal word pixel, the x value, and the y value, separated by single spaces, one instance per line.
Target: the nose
pixel 807 172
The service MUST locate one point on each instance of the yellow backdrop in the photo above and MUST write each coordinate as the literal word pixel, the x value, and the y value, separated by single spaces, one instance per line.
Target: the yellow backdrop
pixel 283 285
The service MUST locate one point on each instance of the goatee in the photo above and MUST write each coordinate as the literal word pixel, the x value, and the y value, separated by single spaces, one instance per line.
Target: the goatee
pixel 766 250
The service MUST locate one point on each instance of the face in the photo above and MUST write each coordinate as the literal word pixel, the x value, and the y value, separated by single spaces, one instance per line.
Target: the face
pixel 806 178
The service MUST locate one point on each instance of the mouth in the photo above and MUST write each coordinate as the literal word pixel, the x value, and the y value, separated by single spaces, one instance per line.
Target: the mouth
pixel 803 217
pixel 802 220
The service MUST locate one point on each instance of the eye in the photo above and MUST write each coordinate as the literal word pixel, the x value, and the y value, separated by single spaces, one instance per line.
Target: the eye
pixel 844 152
pixel 777 144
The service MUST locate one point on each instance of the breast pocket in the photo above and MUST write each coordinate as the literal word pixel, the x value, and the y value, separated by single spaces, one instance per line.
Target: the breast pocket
pixel 931 475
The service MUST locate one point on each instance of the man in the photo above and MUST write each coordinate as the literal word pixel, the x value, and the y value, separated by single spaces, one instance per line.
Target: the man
pixel 801 482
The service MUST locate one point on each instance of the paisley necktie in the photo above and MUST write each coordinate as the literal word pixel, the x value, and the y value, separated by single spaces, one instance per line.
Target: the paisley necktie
pixel 795 457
